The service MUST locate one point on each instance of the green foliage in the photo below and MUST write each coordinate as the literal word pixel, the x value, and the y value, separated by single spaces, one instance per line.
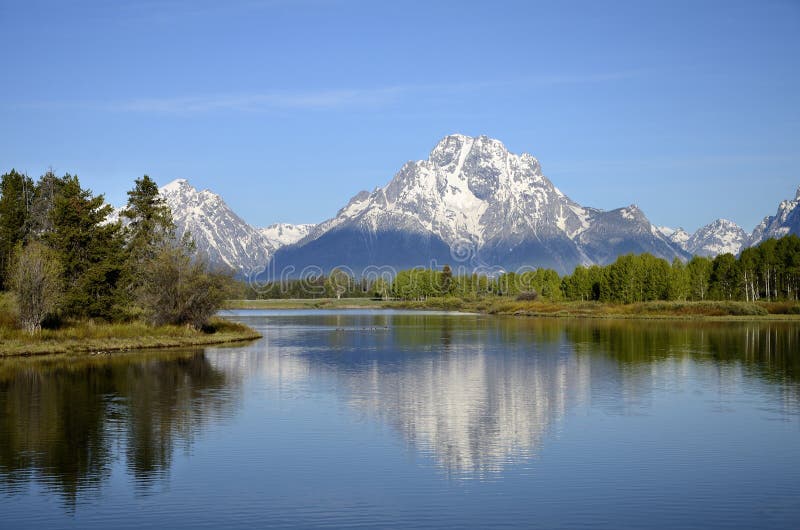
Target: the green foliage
pixel 89 248
pixel 679 286
pixel 72 261
pixel 40 220
pixel 16 194
pixel 35 280
pixel 338 283
pixel 178 289
pixel 150 225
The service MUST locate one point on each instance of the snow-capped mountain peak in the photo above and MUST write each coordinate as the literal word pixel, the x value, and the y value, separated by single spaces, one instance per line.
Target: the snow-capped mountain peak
pixel 720 237
pixel 785 221
pixel 473 190
pixel 176 186
pixel 217 231
pixel 679 236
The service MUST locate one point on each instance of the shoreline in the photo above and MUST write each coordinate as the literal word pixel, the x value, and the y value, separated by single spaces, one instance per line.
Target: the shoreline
pixel 158 338
pixel 683 311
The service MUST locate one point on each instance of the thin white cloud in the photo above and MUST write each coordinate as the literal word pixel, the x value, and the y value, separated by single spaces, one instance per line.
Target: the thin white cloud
pixel 260 101
pixel 320 100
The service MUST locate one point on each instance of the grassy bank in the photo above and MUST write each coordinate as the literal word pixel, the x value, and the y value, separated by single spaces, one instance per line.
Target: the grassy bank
pixel 89 337
pixel 309 303
pixel 720 310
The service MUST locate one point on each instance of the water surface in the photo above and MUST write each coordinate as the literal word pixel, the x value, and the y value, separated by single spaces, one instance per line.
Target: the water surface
pixel 383 418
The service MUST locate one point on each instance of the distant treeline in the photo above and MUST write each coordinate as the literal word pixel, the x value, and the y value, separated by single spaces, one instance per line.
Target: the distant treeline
pixel 767 272
pixel 63 256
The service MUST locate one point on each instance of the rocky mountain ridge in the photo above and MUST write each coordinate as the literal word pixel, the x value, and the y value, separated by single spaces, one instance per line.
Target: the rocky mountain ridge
pixel 471 203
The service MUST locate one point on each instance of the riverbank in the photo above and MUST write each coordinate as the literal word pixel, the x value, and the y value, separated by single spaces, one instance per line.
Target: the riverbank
pixel 706 310
pixel 94 338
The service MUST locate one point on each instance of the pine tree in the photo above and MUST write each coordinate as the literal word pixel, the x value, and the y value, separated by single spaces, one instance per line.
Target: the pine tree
pixel 40 220
pixel 89 249
pixel 149 230
pixel 16 192
pixel 150 224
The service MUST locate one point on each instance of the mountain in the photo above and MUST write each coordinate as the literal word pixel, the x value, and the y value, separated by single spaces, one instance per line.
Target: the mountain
pixel 282 234
pixel 720 237
pixel 678 236
pixel 217 231
pixel 785 221
pixel 472 203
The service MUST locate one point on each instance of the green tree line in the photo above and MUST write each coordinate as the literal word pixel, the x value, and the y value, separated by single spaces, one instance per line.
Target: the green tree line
pixel 768 272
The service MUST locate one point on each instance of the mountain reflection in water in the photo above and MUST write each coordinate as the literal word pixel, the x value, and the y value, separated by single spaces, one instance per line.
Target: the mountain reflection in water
pixel 473 394
pixel 478 392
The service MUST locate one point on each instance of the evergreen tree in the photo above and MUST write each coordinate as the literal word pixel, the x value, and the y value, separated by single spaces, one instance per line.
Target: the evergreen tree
pixel 16 192
pixel 148 230
pixel 150 224
pixel 40 220
pixel 89 249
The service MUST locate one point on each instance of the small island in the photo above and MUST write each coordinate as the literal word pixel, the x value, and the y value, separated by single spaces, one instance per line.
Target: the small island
pixel 76 277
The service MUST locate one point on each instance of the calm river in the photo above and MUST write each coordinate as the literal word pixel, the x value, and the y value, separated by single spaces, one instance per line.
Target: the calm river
pixel 407 419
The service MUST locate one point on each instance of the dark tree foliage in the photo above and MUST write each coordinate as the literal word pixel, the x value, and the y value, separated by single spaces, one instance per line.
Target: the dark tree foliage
pixel 16 194
pixel 149 221
pixel 103 270
pixel 148 230
pixel 89 248
pixel 40 220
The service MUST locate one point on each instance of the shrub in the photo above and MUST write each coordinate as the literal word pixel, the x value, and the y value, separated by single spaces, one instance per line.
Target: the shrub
pixel 35 280
pixel 180 290
pixel 528 296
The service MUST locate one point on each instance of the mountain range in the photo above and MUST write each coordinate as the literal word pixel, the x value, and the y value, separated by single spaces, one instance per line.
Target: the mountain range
pixel 470 204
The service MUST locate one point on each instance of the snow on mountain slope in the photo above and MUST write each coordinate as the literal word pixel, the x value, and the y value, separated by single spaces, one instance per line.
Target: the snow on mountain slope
pixel 720 237
pixel 468 189
pixel 678 236
pixel 282 234
pixel 785 221
pixel 473 194
pixel 217 231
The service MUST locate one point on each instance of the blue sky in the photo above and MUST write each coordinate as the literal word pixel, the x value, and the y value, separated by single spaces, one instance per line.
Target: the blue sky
pixel 288 108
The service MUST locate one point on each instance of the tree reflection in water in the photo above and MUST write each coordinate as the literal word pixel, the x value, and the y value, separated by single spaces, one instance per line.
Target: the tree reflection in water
pixel 474 393
pixel 64 421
